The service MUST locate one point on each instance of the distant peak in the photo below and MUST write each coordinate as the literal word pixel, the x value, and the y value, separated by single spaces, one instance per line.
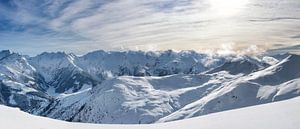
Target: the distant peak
pixel 96 52
pixel 53 54
pixel 5 52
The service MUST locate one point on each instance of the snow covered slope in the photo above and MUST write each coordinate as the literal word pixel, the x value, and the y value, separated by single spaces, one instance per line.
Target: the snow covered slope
pixel 136 87
pixel 138 63
pixel 132 100
pixel 278 115
pixel 242 65
pixel 20 83
pixel 277 82
pixel 135 100
pixel 61 73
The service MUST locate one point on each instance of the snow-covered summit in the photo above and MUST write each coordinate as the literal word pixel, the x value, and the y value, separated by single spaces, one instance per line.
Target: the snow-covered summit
pixel 48 64
pixel 20 83
pixel 241 65
pixel 4 53
pixel 285 70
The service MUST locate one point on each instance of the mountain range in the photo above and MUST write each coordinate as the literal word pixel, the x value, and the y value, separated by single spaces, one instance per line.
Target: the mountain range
pixel 136 87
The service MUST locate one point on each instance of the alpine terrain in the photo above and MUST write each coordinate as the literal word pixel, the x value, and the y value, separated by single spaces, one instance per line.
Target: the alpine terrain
pixel 136 87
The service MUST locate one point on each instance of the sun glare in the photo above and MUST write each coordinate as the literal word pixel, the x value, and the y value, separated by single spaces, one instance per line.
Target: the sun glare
pixel 226 8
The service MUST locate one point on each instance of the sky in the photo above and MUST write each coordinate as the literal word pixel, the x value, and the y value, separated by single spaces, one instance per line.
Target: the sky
pixel 80 26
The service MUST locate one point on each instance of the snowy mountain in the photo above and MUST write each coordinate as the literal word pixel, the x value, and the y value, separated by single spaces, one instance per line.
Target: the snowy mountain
pixel 61 73
pixel 136 87
pixel 242 65
pixel 103 64
pixel 21 85
pixel 278 115
pixel 274 83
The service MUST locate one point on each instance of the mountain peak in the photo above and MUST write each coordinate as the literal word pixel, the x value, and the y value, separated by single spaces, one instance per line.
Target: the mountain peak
pixel 244 65
pixel 4 53
pixel 281 72
pixel 53 54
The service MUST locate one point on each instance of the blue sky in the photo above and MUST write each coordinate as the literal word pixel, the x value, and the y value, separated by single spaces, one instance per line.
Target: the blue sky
pixel 80 26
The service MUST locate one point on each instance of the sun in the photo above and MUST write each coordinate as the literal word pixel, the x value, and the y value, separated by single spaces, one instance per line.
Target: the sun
pixel 227 8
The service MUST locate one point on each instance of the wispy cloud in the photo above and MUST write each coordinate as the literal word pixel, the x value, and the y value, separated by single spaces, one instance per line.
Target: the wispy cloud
pixel 82 25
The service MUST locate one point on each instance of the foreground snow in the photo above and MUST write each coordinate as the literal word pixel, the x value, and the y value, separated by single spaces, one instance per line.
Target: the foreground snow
pixel 277 115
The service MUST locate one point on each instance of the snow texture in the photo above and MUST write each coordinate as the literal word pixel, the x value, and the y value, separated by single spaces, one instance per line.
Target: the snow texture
pixel 136 87
pixel 278 115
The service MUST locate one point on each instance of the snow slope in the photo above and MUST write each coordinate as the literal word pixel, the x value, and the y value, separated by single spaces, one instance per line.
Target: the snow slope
pixel 277 115
pixel 134 100
pixel 20 83
pixel 277 82
pixel 136 87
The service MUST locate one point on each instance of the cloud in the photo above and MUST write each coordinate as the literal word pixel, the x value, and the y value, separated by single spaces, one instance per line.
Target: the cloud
pixel 82 25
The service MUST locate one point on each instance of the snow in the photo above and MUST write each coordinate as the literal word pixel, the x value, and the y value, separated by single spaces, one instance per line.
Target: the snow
pixel 247 90
pixel 277 115
pixel 19 86
pixel 48 64
pixel 148 99
pixel 16 66
pixel 270 60
pixel 136 87
pixel 140 63
pixel 11 100
pixel 129 100
pixel 51 91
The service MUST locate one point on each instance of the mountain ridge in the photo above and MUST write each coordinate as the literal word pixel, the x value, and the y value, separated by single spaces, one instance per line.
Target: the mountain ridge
pixel 137 87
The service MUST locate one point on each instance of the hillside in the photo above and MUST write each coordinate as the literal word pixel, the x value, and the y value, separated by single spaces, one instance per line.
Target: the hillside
pixel 136 87
pixel 278 115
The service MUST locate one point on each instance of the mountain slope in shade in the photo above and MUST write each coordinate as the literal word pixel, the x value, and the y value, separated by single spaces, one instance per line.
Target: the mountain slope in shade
pixel 278 115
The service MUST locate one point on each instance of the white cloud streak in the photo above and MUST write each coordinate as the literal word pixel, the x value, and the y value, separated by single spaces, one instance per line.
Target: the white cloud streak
pixel 162 24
